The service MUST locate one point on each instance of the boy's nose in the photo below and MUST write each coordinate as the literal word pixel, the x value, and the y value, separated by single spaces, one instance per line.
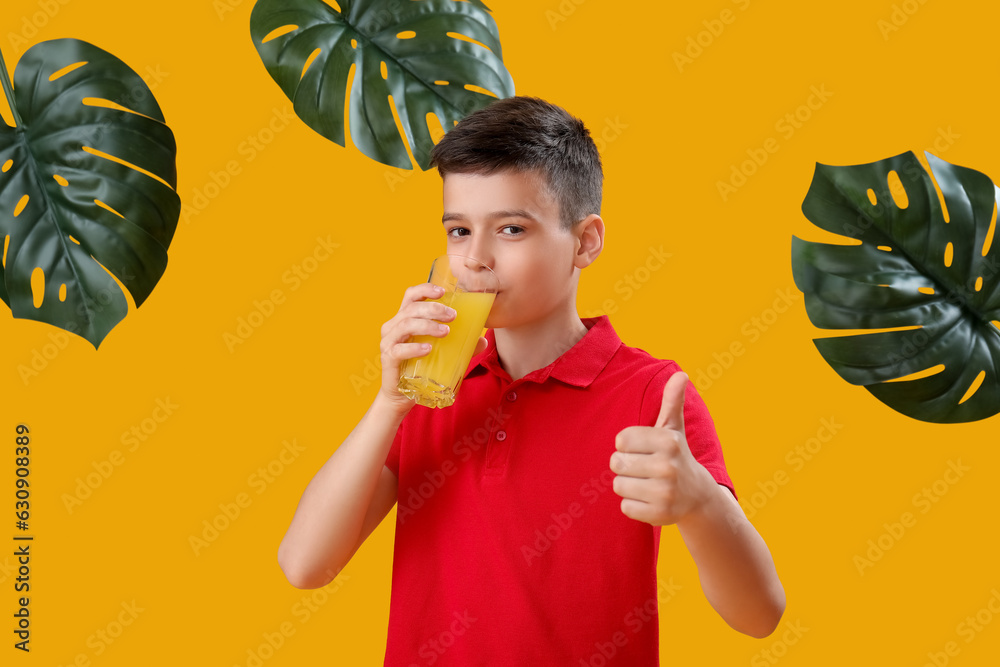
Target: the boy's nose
pixel 476 253
pixel 472 263
pixel 479 270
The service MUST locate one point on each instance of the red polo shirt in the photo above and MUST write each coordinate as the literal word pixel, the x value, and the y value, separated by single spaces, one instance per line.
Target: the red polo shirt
pixel 511 546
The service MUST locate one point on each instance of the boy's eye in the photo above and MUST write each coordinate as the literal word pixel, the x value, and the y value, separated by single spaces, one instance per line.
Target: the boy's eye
pixel 460 230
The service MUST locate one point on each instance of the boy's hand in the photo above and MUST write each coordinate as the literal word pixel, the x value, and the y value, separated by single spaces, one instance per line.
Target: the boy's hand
pixel 415 317
pixel 658 478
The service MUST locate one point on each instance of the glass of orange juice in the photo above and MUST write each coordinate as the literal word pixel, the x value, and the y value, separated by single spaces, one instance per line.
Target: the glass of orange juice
pixel 469 287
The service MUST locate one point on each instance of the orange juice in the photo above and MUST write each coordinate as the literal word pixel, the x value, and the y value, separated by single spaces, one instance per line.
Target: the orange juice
pixel 433 379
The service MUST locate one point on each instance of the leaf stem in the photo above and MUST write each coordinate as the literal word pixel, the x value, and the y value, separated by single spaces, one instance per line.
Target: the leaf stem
pixel 8 90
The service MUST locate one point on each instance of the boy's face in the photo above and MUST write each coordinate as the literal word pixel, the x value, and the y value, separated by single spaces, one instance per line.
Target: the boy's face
pixel 510 221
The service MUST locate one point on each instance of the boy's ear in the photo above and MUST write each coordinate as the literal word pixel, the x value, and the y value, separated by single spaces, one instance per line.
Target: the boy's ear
pixel 590 240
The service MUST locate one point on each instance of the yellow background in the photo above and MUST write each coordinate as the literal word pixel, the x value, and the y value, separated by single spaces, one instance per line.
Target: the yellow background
pixel 669 135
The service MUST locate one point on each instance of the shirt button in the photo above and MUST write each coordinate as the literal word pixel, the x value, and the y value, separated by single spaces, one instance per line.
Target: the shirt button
pixel 501 435
pixel 512 396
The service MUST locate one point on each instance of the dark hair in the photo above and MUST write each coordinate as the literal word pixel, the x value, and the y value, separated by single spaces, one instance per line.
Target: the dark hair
pixel 528 134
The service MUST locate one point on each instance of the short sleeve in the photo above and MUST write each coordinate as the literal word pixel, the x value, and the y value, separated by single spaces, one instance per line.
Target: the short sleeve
pixel 699 428
pixel 392 459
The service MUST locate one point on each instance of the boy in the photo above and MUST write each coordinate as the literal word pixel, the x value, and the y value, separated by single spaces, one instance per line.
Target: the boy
pixel 529 511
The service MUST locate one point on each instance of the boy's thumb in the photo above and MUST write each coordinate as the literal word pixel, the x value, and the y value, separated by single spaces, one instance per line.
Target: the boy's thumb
pixel 672 408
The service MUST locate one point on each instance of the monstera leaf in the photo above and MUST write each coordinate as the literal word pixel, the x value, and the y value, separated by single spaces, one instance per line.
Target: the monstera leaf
pixel 87 187
pixel 429 56
pixel 927 267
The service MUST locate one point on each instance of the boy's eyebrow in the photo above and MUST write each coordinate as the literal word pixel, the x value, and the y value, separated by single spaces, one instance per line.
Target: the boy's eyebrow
pixel 495 215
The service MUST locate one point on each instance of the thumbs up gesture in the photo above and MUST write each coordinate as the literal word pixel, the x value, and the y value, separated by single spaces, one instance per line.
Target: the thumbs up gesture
pixel 658 478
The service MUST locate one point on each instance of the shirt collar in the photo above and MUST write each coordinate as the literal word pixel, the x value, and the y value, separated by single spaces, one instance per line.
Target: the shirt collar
pixel 578 366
